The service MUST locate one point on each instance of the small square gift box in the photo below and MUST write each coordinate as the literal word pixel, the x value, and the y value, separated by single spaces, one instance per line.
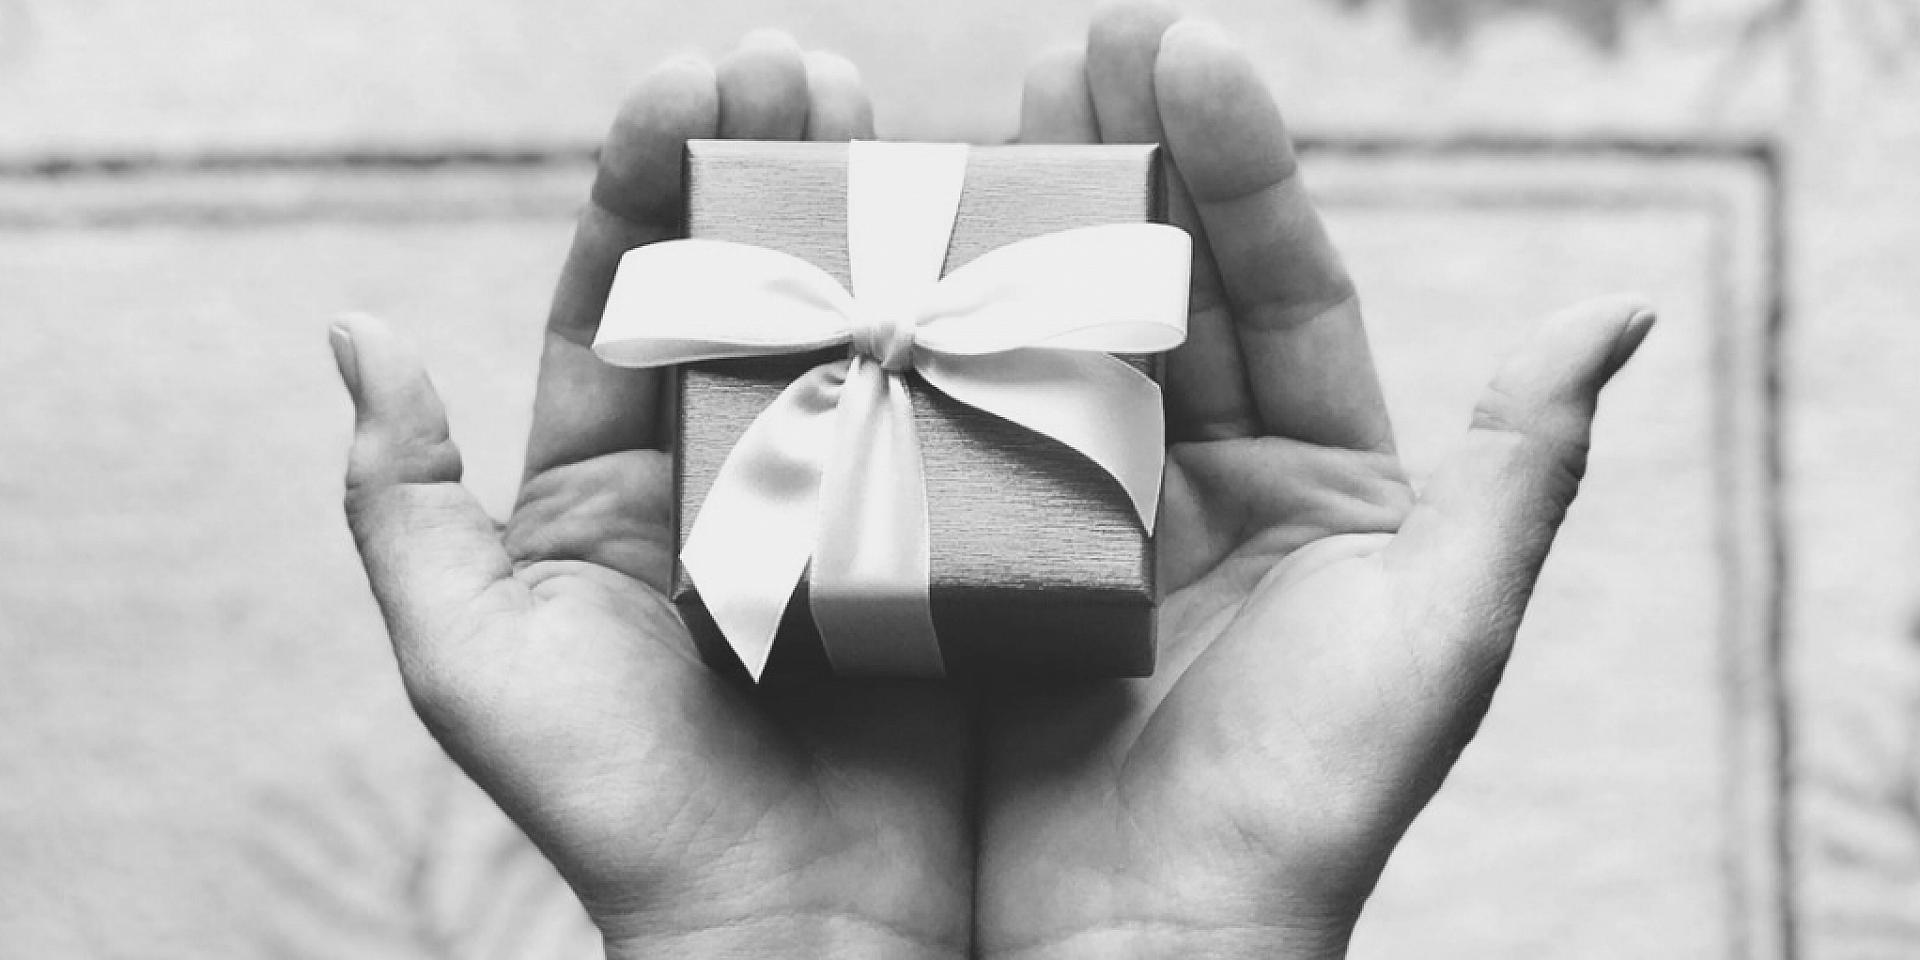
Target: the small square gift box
pixel 917 430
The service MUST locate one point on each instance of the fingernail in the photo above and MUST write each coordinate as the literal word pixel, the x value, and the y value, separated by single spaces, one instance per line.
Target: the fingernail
pixel 1631 336
pixel 686 60
pixel 1192 30
pixel 827 65
pixel 769 38
pixel 344 359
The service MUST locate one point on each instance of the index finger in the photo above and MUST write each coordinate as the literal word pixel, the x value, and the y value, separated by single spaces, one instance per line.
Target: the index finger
pixel 583 407
pixel 1295 311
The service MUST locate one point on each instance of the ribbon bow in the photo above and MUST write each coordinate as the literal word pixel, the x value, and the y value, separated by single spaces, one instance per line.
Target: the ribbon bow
pixel 831 471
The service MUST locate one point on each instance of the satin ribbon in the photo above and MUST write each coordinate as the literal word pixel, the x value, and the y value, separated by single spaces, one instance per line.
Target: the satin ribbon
pixel 830 471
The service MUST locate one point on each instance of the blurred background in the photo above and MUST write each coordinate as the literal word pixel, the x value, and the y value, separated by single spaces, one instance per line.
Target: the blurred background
pixel 1708 744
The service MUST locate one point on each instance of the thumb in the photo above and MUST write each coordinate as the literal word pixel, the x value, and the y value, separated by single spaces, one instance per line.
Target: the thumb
pixel 431 553
pixel 1482 528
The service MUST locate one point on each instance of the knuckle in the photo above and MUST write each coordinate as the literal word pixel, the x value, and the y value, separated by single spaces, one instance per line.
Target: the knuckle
pixel 1551 444
pixel 378 461
pixel 1499 411
pixel 384 497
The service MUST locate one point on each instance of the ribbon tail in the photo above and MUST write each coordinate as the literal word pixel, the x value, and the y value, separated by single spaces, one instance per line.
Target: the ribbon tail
pixel 872 560
pixel 748 546
pixel 1094 403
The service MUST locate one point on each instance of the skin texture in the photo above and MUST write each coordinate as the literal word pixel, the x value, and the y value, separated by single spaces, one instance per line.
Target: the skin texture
pixel 693 818
pixel 1329 643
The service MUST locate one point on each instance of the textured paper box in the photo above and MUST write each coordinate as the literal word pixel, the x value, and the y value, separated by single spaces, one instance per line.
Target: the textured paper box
pixel 1039 566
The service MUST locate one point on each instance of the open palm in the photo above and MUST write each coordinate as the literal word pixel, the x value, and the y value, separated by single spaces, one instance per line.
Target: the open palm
pixel 692 817
pixel 1329 643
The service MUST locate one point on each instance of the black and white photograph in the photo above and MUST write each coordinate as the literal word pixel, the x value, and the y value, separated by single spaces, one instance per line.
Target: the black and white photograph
pixel 1016 480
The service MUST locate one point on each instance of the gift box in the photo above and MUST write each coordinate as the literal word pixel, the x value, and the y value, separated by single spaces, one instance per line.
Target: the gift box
pixel 1037 561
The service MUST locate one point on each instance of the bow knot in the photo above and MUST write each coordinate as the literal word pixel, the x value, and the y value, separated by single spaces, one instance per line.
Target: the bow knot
pixel 883 335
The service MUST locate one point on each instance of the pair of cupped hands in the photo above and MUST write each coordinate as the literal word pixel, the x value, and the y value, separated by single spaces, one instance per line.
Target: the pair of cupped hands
pixel 1329 638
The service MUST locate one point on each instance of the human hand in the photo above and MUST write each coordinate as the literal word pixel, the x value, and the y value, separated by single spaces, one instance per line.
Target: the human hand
pixel 693 818
pixel 1329 641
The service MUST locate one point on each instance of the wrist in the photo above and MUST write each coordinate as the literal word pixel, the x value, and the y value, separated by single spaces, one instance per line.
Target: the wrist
pixel 774 936
pixel 1148 940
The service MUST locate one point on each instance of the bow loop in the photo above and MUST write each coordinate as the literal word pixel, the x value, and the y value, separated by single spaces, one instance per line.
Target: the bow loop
pixel 1107 289
pixel 685 301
